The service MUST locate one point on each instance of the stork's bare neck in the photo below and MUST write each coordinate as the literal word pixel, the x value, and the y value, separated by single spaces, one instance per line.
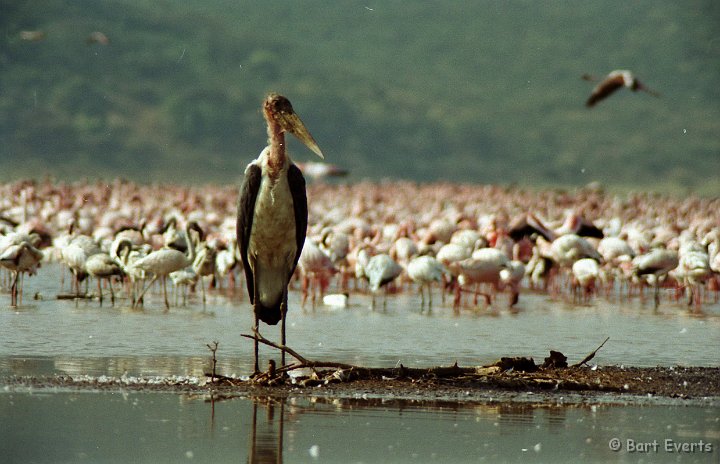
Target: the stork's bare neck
pixel 277 158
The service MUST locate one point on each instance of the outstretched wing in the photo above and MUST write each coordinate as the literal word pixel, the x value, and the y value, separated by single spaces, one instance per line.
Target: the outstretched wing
pixel 604 89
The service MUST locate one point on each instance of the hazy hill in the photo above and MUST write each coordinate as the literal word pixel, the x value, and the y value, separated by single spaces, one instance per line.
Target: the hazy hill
pixel 466 91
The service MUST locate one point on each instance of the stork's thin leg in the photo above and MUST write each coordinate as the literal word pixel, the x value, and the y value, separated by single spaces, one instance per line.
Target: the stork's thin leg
pixel 256 370
pixel 283 313
pixel 255 298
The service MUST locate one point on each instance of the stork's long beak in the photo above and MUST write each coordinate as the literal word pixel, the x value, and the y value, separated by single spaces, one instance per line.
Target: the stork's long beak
pixel 291 122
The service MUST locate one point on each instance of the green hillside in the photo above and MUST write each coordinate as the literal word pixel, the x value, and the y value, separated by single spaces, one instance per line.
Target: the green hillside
pixel 465 91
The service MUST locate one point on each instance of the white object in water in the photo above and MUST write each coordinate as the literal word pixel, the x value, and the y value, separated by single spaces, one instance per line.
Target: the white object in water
pixel 338 300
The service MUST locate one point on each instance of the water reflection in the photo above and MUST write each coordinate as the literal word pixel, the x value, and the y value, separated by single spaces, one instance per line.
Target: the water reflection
pixel 266 439
pixel 72 426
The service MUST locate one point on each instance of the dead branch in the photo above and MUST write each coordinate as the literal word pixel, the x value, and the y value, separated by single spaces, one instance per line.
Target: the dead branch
pixel 284 348
pixel 591 355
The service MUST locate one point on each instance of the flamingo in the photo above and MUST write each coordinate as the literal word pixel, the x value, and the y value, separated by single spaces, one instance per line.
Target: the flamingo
pixel 317 170
pixel 612 82
pixel 483 266
pixel 97 37
pixel 380 270
pixel 102 266
pixel 19 259
pixel 182 280
pixel 226 260
pixel 162 262
pixel 655 265
pixel 315 269
pixel 204 263
pixel 75 255
pixel 586 272
pixel 424 270
pixel 693 269
pixel 511 276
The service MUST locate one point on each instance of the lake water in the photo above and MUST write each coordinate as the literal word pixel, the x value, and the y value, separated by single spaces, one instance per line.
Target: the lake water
pixel 46 336
pixel 65 426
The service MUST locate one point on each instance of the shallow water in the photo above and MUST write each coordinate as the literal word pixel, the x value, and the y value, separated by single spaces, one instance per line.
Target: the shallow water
pixel 67 426
pixel 50 336
pixel 47 335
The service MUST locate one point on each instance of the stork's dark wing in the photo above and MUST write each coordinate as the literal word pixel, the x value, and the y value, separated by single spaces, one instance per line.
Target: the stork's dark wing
pixel 297 190
pixel 246 210
pixel 604 89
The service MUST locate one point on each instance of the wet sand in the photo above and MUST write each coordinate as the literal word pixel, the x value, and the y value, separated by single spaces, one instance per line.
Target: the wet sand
pixel 606 384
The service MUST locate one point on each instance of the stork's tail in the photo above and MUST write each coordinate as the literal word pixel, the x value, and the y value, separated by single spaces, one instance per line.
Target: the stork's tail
pixel 269 315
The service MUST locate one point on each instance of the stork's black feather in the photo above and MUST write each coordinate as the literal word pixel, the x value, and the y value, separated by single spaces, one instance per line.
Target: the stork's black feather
pixel 297 190
pixel 246 209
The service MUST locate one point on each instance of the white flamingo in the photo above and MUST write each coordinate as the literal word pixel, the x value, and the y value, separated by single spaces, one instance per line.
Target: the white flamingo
pixel 75 254
pixel 102 266
pixel 182 280
pixel 693 270
pixel 162 262
pixel 380 270
pixel 204 264
pixel 482 268
pixel 424 270
pixel 126 256
pixel 315 268
pixel 655 266
pixel 511 276
pixel 19 259
pixel 586 272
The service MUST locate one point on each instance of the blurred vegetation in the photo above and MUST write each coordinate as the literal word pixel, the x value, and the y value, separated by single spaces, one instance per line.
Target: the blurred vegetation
pixel 486 92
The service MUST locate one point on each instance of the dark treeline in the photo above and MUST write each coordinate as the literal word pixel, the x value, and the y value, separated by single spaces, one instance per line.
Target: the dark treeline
pixel 484 92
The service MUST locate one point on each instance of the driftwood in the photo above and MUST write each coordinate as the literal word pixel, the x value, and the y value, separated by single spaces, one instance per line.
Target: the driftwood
pixel 76 296
pixel 508 372
pixel 591 355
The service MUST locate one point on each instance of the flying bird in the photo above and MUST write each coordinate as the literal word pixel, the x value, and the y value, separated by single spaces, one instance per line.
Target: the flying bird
pixel 32 36
pixel 316 170
pixel 272 216
pixel 97 37
pixel 612 82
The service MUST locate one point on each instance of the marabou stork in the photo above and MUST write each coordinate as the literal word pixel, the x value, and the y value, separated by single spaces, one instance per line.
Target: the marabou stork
pixel 272 216
pixel 612 82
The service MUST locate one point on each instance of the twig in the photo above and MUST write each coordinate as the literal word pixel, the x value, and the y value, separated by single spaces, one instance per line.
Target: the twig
pixel 303 362
pixel 213 348
pixel 591 355
pixel 284 348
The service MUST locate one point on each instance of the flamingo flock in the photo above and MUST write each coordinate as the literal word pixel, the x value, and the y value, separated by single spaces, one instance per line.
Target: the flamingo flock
pixel 478 245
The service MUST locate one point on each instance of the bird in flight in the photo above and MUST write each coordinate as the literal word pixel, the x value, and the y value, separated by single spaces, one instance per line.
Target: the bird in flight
pixel 612 82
